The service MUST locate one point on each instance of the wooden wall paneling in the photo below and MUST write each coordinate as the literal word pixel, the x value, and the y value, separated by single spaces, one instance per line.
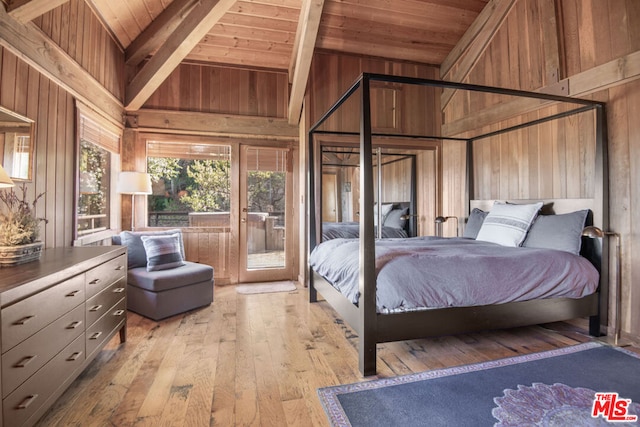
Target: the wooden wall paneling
pixel 222 90
pixel 532 153
pixel 631 292
pixel 51 154
pixel 69 174
pixel 75 28
pixel 620 192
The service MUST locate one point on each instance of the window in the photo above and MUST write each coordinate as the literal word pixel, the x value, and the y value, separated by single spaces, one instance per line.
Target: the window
pixel 191 184
pixel 97 160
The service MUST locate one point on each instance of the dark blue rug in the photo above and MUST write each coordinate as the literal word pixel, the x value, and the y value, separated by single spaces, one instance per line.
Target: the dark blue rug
pixel 556 388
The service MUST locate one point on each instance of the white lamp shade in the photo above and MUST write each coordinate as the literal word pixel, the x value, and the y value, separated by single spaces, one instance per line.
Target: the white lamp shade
pixel 134 183
pixel 5 181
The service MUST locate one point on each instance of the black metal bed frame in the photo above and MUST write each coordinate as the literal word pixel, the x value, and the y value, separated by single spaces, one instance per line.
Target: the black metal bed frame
pixel 372 327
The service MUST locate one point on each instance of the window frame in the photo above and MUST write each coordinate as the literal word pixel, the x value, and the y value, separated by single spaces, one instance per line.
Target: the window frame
pixel 107 136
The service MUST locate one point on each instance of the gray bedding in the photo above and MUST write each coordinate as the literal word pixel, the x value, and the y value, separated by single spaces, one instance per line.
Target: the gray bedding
pixel 432 272
pixel 351 230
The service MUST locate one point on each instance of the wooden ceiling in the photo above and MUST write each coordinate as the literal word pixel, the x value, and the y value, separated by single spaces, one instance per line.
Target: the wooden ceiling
pixel 157 35
pixel 262 33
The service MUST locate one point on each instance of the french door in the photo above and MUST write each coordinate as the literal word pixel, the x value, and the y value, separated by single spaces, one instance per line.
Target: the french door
pixel 266 250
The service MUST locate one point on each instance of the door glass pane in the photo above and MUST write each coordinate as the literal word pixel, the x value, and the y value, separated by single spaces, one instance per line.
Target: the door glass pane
pixel 265 220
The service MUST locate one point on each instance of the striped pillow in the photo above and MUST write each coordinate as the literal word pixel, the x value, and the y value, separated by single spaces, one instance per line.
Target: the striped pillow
pixel 163 252
pixel 508 224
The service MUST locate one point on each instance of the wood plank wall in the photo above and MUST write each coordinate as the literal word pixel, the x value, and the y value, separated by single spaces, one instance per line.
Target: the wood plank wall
pixel 26 91
pixel 332 74
pixel 226 90
pixel 593 34
pixel 78 31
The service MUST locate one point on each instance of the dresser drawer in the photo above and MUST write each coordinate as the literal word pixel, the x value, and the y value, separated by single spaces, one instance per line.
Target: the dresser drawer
pixel 105 274
pixel 98 304
pixel 22 361
pixel 30 396
pixel 101 330
pixel 26 317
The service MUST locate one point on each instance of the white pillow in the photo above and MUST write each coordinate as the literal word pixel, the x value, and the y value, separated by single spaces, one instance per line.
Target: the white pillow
pixel 507 224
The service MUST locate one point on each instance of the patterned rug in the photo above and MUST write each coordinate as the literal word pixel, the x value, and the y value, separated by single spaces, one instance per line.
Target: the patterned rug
pixel 590 384
pixel 266 287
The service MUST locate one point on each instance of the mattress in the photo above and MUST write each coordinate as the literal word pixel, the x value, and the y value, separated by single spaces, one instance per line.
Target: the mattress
pixel 432 272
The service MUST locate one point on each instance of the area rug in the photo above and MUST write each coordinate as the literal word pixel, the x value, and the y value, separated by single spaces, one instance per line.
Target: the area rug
pixel 267 287
pixel 556 387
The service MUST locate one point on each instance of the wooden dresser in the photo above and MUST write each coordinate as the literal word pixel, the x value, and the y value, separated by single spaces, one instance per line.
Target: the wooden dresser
pixel 56 314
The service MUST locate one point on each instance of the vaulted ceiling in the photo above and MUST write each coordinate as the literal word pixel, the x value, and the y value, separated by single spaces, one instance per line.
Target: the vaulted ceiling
pixel 157 35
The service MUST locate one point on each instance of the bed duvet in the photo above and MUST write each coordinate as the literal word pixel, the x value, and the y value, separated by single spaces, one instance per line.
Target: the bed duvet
pixel 431 272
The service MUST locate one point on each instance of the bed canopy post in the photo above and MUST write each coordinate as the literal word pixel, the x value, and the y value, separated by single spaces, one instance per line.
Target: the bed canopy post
pixel 311 214
pixel 367 278
pixel 602 203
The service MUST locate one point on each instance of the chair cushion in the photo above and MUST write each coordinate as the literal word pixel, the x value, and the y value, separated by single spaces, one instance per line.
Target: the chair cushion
pixel 157 281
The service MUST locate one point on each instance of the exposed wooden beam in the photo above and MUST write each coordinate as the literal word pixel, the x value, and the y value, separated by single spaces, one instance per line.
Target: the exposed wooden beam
pixel 245 127
pixel 466 53
pixel 27 10
pixel 613 73
pixel 31 45
pixel 158 31
pixel 310 14
pixel 186 36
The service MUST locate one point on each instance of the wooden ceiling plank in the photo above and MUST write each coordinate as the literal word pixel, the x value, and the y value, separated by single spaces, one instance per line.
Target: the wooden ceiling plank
pixel 244 43
pixel 235 56
pixel 182 41
pixel 263 10
pixel 259 22
pixel 253 33
pixel 311 13
pixel 152 37
pixel 26 10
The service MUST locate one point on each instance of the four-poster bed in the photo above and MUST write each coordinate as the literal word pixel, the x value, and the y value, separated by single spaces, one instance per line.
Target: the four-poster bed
pixel 373 326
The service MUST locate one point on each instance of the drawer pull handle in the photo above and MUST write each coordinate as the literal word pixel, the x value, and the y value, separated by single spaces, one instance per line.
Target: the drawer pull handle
pixel 95 335
pixel 120 268
pixel 94 282
pixel 118 312
pixel 24 361
pixel 74 356
pixel 73 293
pixel 75 324
pixel 24 320
pixel 118 290
pixel 27 401
pixel 96 307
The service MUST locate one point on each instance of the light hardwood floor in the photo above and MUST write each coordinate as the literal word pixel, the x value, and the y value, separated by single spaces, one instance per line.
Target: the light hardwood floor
pixel 258 360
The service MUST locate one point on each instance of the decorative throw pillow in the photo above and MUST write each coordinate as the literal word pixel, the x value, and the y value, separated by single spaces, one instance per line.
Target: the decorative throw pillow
pixel 163 252
pixel 476 218
pixel 507 224
pixel 561 232
pixel 394 218
pixel 136 255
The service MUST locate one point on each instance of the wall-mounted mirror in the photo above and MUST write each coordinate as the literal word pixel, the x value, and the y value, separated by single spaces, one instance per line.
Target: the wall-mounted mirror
pixel 16 144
